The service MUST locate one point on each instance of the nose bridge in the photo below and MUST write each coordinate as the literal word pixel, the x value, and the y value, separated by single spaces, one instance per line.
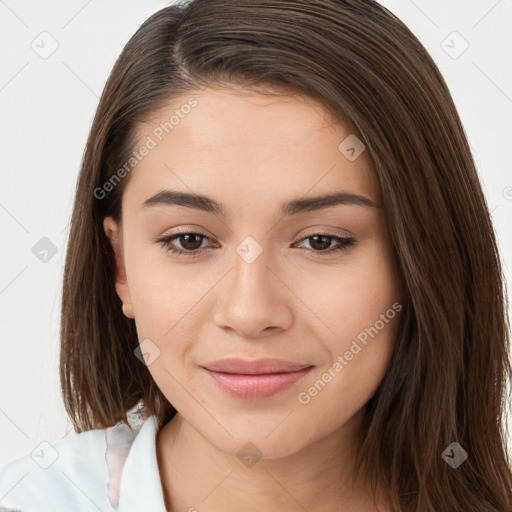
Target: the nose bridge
pixel 250 277
pixel 251 298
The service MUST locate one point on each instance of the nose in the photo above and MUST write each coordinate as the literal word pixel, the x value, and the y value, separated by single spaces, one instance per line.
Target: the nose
pixel 253 298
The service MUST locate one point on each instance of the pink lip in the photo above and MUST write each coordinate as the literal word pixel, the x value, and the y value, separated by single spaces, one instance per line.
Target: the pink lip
pixel 255 379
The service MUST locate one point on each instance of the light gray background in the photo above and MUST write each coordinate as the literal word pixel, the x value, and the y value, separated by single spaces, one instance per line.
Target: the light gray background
pixel 47 106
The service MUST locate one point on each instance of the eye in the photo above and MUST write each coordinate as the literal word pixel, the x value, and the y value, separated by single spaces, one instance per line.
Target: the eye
pixel 321 241
pixel 191 243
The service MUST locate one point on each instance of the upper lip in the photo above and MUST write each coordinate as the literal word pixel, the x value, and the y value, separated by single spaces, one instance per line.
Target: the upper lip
pixel 256 367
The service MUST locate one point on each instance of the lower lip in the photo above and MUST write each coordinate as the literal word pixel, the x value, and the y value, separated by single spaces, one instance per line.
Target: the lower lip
pixel 256 386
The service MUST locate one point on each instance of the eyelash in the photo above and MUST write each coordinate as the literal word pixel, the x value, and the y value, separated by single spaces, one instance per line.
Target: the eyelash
pixel 344 243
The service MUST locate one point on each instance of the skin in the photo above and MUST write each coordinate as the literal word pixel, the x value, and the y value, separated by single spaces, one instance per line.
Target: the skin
pixel 252 153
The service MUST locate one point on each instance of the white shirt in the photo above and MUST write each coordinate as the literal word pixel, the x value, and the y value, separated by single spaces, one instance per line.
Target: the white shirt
pixel 112 469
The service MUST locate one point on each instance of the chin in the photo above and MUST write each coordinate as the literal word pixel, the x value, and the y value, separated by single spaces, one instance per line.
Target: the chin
pixel 255 443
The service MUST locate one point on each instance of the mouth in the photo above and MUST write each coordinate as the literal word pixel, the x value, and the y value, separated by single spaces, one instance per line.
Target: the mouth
pixel 253 380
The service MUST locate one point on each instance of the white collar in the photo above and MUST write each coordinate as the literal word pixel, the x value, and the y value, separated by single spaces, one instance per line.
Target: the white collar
pixel 81 472
pixel 141 488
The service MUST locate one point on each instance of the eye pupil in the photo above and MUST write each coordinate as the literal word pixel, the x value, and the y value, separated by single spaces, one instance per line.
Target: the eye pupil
pixel 324 243
pixel 195 245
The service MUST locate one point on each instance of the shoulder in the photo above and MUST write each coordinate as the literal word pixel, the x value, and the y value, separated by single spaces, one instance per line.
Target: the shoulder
pixel 64 472
pixel 71 474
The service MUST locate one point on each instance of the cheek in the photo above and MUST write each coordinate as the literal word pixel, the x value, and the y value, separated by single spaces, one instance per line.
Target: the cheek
pixel 163 295
pixel 358 357
pixel 351 296
pixel 165 305
pixel 356 305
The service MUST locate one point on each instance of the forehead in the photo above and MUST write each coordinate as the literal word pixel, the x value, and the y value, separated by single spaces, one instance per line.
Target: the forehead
pixel 245 145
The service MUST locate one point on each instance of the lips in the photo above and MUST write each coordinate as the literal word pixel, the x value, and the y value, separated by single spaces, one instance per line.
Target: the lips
pixel 257 367
pixel 255 379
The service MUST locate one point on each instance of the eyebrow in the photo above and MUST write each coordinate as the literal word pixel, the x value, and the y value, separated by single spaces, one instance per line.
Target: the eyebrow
pixel 293 207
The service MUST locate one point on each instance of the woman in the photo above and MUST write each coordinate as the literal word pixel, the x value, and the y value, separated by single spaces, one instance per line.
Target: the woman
pixel 282 287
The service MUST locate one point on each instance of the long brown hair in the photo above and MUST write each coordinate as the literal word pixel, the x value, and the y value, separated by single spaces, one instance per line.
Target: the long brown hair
pixel 447 378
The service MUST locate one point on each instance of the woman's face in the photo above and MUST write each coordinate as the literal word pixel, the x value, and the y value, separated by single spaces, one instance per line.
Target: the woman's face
pixel 259 275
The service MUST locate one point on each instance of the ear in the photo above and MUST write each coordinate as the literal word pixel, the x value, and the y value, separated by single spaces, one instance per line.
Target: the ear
pixel 112 232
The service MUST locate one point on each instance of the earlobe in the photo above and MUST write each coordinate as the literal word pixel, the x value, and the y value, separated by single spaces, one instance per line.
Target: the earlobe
pixel 128 310
pixel 111 230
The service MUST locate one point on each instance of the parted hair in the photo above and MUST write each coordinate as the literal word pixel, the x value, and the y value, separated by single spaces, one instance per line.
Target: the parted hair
pixel 446 381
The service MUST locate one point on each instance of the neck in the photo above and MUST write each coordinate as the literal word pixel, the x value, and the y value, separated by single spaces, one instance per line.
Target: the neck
pixel 196 475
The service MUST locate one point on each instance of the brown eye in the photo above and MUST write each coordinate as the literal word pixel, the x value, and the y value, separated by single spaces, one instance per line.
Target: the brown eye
pixel 321 242
pixel 189 242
